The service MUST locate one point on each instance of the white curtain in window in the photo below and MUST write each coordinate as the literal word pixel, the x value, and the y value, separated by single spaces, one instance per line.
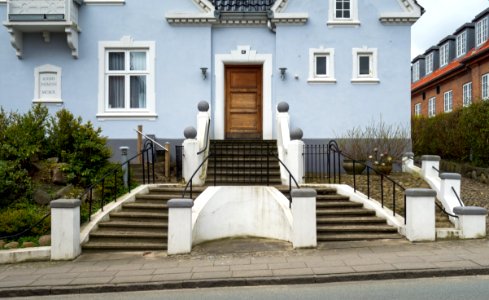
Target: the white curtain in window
pixel 116 91
pixel 138 61
pixel 116 61
pixel 138 91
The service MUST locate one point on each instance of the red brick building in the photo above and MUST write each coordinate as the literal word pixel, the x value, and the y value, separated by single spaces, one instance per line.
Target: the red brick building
pixel 455 72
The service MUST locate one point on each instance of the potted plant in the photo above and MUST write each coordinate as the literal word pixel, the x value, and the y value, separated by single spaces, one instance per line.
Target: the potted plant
pixel 355 151
pixel 381 162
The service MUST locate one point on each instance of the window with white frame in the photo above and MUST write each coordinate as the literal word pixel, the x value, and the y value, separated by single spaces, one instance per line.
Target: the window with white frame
pixel 126 80
pixel 485 86
pixel 444 55
pixel 364 65
pixel 321 65
pixel 481 31
pixel 343 12
pixel 461 43
pixel 467 94
pixel 429 63
pixel 417 109
pixel 448 101
pixel 416 71
pixel 432 107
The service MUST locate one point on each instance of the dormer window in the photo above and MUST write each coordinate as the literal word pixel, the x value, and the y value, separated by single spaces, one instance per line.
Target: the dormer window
pixel 343 12
pixel 429 63
pixel 416 71
pixel 481 31
pixel 444 55
pixel 461 43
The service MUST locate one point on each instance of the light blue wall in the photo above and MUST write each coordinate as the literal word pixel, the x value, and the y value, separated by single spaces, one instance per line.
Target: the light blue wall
pixel 322 111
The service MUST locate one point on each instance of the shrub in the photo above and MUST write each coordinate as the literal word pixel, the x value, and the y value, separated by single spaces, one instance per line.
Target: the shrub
pixel 61 133
pixel 21 216
pixel 15 183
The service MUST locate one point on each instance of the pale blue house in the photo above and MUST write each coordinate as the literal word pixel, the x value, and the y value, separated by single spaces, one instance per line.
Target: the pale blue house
pixel 124 63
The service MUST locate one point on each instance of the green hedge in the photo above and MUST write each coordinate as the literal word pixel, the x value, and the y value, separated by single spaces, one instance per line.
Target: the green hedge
pixel 462 135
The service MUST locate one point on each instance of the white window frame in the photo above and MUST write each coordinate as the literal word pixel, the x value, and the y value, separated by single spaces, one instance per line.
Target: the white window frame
pixel 429 63
pixel 481 31
pixel 448 101
pixel 352 21
pixel 485 86
pixel 467 94
pixel 330 69
pixel 417 109
pixel 432 107
pixel 104 2
pixel 461 43
pixel 126 44
pixel 371 78
pixel 416 71
pixel 444 54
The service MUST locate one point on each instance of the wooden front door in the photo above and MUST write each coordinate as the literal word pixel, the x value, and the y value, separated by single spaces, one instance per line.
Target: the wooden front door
pixel 243 102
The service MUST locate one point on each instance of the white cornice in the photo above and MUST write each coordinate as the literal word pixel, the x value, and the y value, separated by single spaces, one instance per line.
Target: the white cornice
pixel 411 13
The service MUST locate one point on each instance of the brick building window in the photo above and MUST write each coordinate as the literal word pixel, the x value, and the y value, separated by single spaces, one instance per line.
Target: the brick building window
pixel 448 101
pixel 416 71
pixel 467 94
pixel 417 109
pixel 485 86
pixel 432 107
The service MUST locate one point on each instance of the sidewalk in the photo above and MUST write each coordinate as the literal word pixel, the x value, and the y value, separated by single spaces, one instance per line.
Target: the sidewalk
pixel 246 262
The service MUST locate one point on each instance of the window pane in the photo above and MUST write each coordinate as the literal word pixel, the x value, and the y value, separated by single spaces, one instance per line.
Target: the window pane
pixel 321 65
pixel 346 14
pixel 116 91
pixel 138 61
pixel 138 91
pixel 364 62
pixel 116 61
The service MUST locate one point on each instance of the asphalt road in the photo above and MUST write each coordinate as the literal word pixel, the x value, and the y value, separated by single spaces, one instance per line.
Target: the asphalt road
pixel 456 288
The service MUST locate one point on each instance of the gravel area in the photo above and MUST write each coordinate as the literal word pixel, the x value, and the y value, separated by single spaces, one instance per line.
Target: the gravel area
pixel 475 193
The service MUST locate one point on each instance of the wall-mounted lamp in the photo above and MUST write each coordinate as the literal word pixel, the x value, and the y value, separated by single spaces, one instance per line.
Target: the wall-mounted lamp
pixel 282 73
pixel 204 73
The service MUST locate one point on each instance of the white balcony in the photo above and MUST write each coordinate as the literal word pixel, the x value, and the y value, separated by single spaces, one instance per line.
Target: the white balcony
pixel 43 16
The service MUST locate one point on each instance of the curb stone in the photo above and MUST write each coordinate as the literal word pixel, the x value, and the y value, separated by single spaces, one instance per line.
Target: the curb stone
pixel 239 282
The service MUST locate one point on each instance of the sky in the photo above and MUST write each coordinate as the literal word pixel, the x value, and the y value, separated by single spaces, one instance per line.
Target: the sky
pixel 442 18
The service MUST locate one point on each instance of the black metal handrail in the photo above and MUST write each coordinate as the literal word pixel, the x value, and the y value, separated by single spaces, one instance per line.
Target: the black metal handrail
pixel 206 137
pixel 444 211
pixel 458 197
pixel 147 163
pixel 189 185
pixel 27 230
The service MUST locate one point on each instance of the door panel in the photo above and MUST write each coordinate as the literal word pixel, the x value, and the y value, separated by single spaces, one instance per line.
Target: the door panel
pixel 243 102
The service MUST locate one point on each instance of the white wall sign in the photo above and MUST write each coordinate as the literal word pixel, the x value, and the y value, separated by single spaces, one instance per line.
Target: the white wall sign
pixel 47 84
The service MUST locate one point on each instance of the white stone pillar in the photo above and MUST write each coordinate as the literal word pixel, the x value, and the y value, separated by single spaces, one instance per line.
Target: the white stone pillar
pixel 295 155
pixel 428 165
pixel 179 226
pixel 420 215
pixel 472 221
pixel 191 160
pixel 304 231
pixel 407 161
pixel 447 196
pixel 65 229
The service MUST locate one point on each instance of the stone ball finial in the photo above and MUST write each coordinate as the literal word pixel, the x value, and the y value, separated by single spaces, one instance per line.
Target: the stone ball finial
pixel 203 106
pixel 296 134
pixel 190 133
pixel 283 107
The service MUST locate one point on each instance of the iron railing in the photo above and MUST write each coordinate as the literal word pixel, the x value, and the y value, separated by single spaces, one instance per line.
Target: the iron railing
pixel 148 176
pixel 179 162
pixel 326 163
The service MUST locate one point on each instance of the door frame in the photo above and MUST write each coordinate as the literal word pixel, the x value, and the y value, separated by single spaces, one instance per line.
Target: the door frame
pixel 242 56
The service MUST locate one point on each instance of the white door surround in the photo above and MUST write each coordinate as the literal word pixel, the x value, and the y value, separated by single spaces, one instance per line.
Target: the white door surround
pixel 243 55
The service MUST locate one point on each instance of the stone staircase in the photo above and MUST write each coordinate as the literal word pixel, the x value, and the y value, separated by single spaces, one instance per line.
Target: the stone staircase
pixel 339 219
pixel 141 225
pixel 243 162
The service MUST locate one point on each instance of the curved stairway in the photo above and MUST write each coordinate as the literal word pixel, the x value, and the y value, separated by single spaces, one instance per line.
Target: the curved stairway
pixel 141 225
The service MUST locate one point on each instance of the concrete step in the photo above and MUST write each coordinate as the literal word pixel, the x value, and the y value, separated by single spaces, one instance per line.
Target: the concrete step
pixel 145 206
pixel 350 220
pixel 338 204
pixel 110 233
pixel 335 197
pixel 135 226
pixel 240 171
pixel 356 229
pixel 124 246
pixel 230 181
pixel 174 189
pixel 344 212
pixel 356 237
pixel 139 215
